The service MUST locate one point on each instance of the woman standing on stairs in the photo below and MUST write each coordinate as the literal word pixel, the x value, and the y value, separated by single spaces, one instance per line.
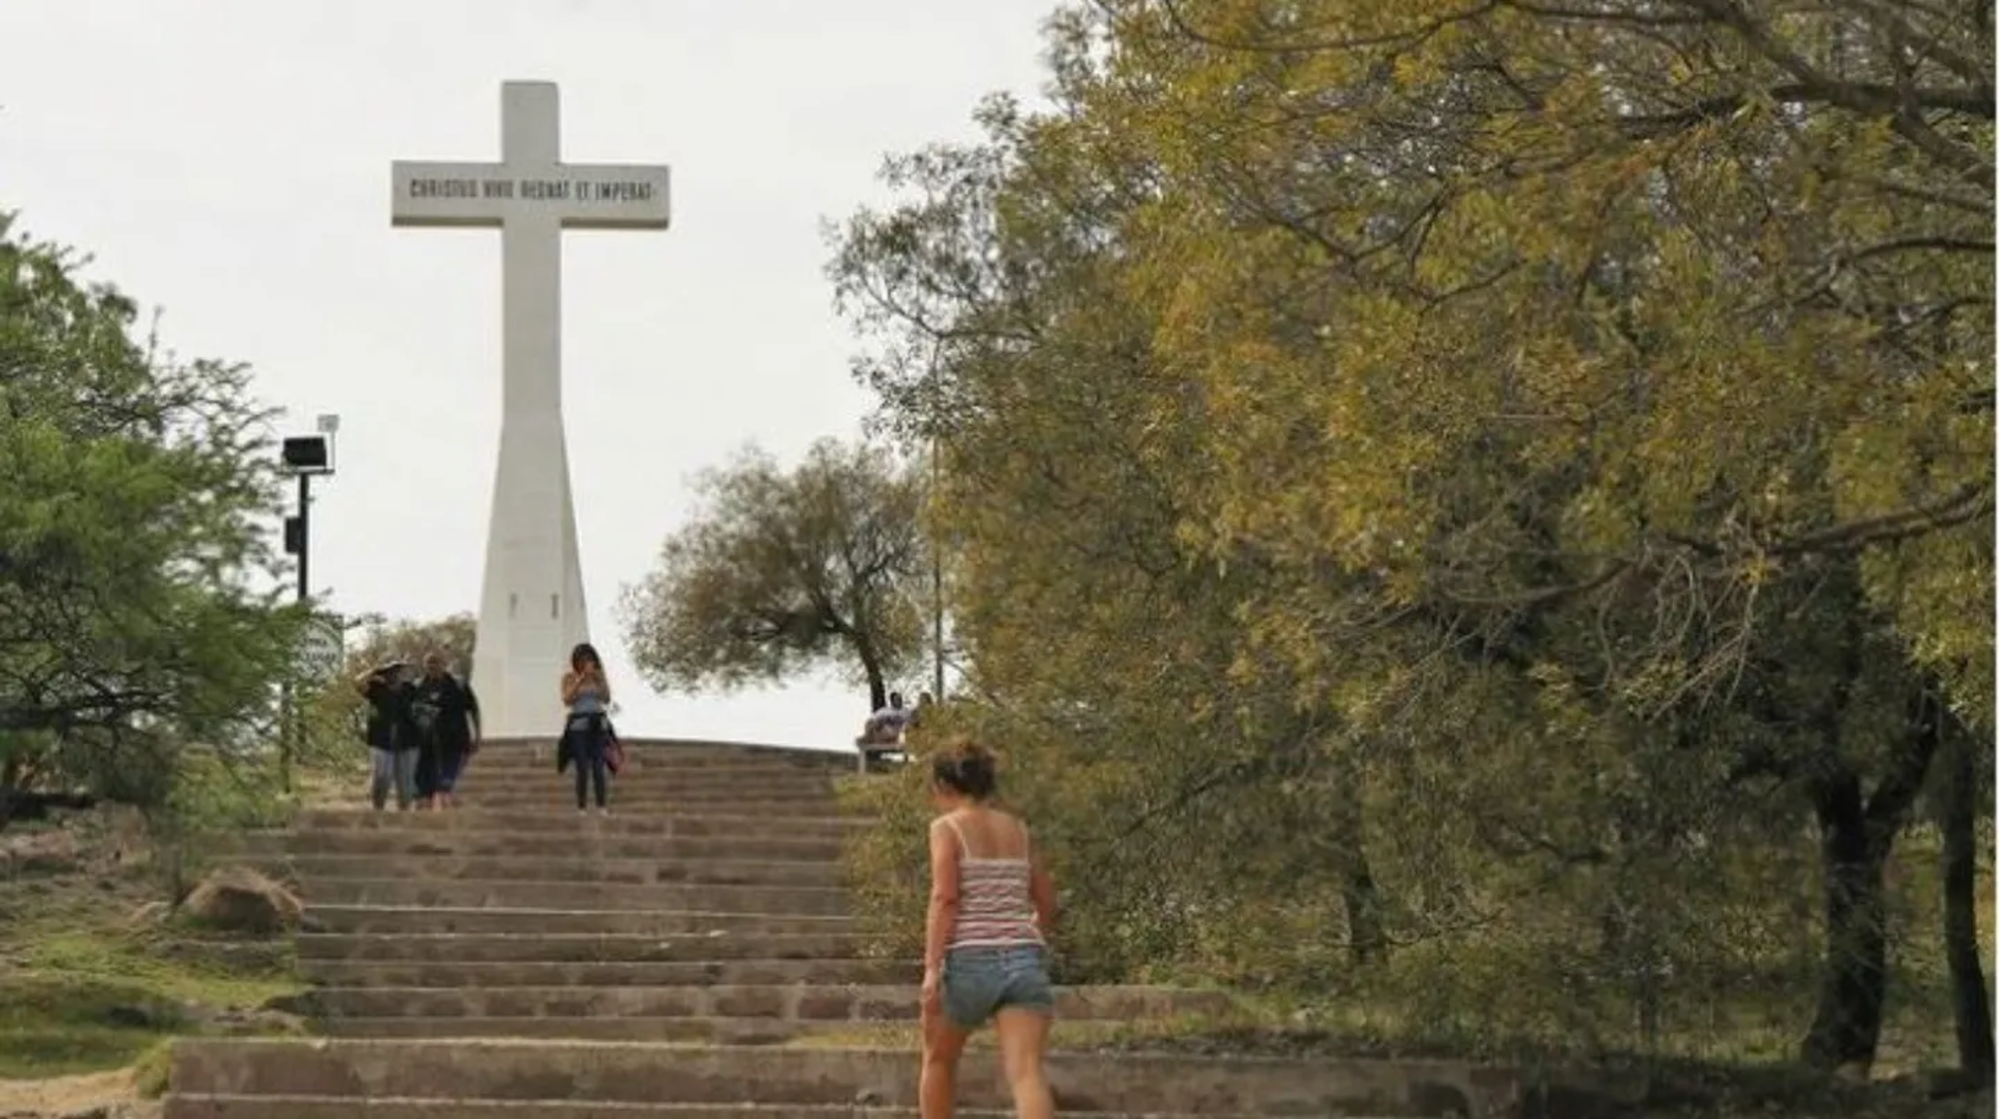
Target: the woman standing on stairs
pixel 587 730
pixel 991 905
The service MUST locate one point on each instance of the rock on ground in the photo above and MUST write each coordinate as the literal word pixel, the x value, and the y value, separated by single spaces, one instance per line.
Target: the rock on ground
pixel 239 900
pixel 39 852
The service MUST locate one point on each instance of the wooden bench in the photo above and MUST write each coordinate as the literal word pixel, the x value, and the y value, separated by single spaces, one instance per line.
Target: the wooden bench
pixel 871 750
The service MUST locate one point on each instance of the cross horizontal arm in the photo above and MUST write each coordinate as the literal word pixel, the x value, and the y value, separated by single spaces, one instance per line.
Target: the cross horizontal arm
pixel 579 195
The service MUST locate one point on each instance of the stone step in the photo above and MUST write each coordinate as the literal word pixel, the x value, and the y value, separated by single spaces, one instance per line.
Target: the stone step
pixel 541 767
pixel 342 1107
pixel 467 893
pixel 777 781
pixel 540 754
pixel 776 784
pixel 649 1031
pixel 459 949
pixel 643 753
pixel 559 801
pixel 443 920
pixel 534 794
pixel 634 773
pixel 650 786
pixel 836 766
pixel 458 1069
pixel 568 823
pixel 467 844
pixel 606 973
pixel 792 1002
pixel 316 871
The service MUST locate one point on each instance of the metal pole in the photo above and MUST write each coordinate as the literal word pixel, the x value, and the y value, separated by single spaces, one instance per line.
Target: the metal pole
pixel 292 715
pixel 936 570
pixel 304 535
pixel 285 747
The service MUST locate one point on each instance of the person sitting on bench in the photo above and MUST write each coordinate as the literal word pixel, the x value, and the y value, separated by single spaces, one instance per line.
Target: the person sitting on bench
pixel 883 732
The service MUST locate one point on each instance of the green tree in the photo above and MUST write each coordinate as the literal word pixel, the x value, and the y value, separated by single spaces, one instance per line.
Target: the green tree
pixel 381 640
pixel 136 618
pixel 1671 314
pixel 1574 419
pixel 1100 642
pixel 782 572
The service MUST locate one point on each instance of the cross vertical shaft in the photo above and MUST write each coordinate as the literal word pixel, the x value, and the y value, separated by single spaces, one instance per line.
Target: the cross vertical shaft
pixel 531 609
pixel 531 259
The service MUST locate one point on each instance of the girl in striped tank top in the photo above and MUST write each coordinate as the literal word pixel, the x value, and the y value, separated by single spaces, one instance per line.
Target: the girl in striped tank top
pixel 991 904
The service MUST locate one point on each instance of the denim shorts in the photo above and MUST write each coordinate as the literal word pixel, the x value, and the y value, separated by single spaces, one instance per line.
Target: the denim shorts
pixel 980 982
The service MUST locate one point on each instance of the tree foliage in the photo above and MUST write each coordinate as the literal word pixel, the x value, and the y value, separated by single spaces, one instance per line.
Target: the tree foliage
pixel 134 554
pixel 782 572
pixel 1464 474
pixel 382 640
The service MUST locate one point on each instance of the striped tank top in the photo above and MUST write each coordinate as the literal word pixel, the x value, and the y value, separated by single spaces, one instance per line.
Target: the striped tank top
pixel 995 907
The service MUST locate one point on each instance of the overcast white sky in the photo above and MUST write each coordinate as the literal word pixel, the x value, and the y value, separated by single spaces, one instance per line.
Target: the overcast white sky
pixel 228 162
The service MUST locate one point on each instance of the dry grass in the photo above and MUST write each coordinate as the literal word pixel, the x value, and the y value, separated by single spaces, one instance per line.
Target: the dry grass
pixel 92 977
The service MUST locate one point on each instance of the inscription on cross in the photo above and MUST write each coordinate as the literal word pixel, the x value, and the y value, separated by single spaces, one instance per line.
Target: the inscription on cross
pixel 531 182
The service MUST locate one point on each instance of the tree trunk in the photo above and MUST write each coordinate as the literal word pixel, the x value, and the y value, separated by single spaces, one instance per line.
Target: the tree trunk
pixel 877 681
pixel 1367 934
pixel 1856 834
pixel 1346 792
pixel 1853 981
pixel 10 783
pixel 1971 1006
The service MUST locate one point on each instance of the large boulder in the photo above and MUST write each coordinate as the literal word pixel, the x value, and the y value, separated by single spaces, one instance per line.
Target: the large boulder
pixel 39 853
pixel 239 900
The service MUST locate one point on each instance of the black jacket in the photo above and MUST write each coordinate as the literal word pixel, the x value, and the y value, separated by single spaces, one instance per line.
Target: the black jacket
pixel 565 747
pixel 443 709
pixel 388 714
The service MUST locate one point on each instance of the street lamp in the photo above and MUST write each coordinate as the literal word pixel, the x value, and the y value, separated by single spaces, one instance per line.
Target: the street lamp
pixel 305 457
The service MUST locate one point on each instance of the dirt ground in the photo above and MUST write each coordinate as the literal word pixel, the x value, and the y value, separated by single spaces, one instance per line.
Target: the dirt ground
pixel 100 1095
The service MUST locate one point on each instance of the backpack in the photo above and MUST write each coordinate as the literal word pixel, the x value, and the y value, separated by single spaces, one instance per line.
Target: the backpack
pixel 424 716
pixel 427 710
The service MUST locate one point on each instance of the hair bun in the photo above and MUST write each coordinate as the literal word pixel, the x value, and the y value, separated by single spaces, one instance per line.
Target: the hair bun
pixel 968 769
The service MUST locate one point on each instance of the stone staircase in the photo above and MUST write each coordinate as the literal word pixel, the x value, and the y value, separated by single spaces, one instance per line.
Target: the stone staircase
pixel 690 955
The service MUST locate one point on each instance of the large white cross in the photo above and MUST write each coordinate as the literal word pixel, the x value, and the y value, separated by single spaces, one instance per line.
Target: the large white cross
pixel 531 611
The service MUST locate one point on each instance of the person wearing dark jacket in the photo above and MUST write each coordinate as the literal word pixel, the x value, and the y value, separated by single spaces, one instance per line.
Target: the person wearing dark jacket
pixel 392 750
pixel 444 713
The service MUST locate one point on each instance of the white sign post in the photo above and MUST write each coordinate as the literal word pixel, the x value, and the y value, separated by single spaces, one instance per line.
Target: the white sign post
pixel 322 650
pixel 531 610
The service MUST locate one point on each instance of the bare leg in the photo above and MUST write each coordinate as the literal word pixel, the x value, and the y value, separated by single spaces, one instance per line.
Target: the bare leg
pixel 1023 1039
pixel 943 1044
